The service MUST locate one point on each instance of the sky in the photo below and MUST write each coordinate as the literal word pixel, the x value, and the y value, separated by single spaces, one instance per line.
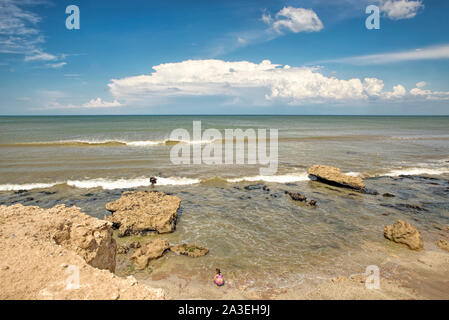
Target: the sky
pixel 224 57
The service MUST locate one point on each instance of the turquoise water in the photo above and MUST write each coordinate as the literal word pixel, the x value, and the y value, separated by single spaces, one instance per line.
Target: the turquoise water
pixel 262 236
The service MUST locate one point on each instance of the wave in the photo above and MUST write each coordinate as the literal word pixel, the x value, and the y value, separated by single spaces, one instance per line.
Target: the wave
pixel 29 186
pixel 109 184
pixel 104 143
pixel 286 178
pixel 415 172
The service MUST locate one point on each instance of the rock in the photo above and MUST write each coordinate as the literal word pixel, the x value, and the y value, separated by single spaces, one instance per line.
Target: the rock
pixel 142 211
pixel 40 268
pixel 312 203
pixel 153 180
pixel 296 196
pixel 134 245
pixel 255 187
pixel 388 195
pixel 122 249
pixel 404 232
pixel 149 251
pixel 333 176
pixel 443 244
pixel 189 250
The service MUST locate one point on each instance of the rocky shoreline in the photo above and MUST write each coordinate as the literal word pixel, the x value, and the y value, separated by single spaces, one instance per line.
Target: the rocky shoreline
pixel 54 240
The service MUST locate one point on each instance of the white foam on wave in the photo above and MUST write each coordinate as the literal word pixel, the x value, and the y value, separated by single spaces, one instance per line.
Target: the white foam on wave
pixel 143 143
pixel 286 178
pixel 28 186
pixel 353 174
pixel 110 184
pixel 416 172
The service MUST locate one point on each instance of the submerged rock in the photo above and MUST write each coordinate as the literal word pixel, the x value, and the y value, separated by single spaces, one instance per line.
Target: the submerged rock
pixel 296 196
pixel 138 212
pixel 189 250
pixel 333 176
pixel 312 203
pixel 255 187
pixel 388 195
pixel 149 251
pixel 403 232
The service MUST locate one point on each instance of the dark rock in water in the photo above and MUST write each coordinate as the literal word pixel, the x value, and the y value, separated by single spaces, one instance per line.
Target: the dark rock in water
pixel 255 187
pixel 312 203
pixel 265 188
pixel 388 195
pixel 47 193
pixel 20 191
pixel 88 194
pixel 153 180
pixel 28 199
pixel 296 196
pixel 291 184
pixel 404 206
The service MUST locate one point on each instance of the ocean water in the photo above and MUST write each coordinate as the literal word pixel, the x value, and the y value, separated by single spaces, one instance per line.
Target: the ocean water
pixel 262 237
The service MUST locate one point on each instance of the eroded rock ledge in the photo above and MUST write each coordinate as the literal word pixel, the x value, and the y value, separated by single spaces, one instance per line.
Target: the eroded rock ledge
pixel 142 211
pixel 40 249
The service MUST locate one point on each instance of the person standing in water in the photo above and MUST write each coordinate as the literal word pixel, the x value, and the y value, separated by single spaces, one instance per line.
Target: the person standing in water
pixel 218 279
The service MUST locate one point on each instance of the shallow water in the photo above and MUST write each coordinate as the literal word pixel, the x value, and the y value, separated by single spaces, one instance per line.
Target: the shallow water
pixel 262 238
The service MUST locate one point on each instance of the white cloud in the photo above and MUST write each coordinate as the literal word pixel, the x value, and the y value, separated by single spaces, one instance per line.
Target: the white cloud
pixel 261 83
pixel 98 103
pixel 401 9
pixel 38 55
pixel 18 27
pixel 398 92
pixel 421 84
pixel 19 31
pixel 428 53
pixel 241 40
pixel 429 94
pixel 294 19
pixel 56 65
pixel 92 104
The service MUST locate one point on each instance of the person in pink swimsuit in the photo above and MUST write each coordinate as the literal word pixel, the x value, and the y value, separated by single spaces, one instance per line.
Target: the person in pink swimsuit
pixel 218 279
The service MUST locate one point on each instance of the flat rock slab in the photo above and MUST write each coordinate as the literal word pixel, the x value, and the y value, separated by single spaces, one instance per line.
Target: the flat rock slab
pixel 142 211
pixel 333 176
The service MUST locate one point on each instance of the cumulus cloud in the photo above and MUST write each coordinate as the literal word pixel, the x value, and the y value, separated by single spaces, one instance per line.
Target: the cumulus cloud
pixel 401 9
pixel 295 20
pixel 260 82
pixel 428 53
pixel 98 103
pixel 429 94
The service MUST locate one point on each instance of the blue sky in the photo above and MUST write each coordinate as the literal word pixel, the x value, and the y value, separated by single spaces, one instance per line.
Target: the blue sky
pixel 224 57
